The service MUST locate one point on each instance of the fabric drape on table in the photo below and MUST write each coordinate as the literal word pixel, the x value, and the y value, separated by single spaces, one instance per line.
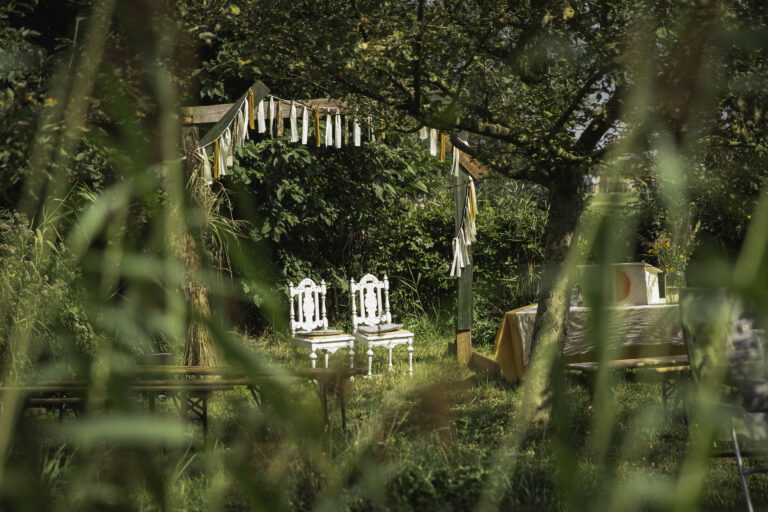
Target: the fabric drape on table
pixel 508 350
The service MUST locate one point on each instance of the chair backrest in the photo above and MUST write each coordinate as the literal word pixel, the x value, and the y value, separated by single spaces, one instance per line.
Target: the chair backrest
pixel 373 308
pixel 309 300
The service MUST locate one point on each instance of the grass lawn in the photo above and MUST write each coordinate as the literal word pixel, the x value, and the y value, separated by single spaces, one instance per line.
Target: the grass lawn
pixel 440 441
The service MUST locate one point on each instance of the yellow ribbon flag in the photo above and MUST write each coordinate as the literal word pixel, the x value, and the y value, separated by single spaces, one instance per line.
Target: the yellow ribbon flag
pixel 442 147
pixel 251 106
pixel 216 159
pixel 317 126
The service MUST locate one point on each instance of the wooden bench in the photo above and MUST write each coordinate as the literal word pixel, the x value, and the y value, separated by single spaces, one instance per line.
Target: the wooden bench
pixel 155 380
pixel 670 367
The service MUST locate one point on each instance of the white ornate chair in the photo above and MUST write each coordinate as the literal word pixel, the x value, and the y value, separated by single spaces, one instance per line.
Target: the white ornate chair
pixel 372 321
pixel 311 329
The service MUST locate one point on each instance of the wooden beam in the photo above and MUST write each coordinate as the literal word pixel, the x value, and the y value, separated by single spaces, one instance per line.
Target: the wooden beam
pixel 472 165
pixel 212 113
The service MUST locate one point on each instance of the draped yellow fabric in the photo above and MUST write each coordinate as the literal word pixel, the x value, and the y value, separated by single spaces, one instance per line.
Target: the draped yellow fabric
pixel 251 106
pixel 317 126
pixel 216 159
pixel 442 147
pixel 508 350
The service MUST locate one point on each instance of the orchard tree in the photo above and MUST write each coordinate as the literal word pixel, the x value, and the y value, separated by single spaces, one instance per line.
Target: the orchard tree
pixel 548 91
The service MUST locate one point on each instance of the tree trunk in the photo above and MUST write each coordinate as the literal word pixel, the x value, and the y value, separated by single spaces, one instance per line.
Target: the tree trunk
pixel 567 203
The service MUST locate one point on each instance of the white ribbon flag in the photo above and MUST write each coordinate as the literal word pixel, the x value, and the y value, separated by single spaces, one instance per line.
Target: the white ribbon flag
pixel 294 128
pixel 338 129
pixel 260 117
pixel 433 142
pixel 455 161
pixel 202 154
pixel 356 132
pixel 460 254
pixel 304 126
pixel 328 130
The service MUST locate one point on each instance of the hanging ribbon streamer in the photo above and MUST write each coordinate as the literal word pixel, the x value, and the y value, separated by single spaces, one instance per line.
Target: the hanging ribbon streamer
pixel 244 114
pixel 424 133
pixel 260 116
pixel 249 108
pixel 472 198
pixel 216 159
pixel 338 129
pixel 346 130
pixel 442 146
pixel 433 142
pixel 304 126
pixel 280 124
pixel 470 230
pixel 370 130
pixel 328 130
pixel 317 126
pixel 356 132
pixel 203 156
pixel 271 115
pixel 226 152
pixel 455 161
pixel 460 254
pixel 294 127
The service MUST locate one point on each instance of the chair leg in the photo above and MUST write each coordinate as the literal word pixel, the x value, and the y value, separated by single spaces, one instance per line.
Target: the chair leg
pixel 740 464
pixel 313 358
pixel 351 357
pixel 410 357
pixel 369 353
pixel 389 368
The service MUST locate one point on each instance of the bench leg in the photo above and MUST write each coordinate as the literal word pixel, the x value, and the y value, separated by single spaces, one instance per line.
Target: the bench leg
pixel 313 358
pixel 390 359
pixel 326 358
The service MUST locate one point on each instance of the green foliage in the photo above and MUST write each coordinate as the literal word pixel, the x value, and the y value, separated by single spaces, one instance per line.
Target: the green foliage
pixel 40 297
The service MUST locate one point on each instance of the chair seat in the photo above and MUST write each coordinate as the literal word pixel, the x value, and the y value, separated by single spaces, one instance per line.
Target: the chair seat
pixel 322 340
pixel 379 329
pixel 319 332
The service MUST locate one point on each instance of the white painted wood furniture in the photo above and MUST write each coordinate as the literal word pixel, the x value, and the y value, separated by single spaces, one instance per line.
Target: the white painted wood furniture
pixel 372 320
pixel 311 329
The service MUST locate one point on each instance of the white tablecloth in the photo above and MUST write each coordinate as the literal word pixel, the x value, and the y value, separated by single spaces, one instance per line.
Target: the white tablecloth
pixel 627 326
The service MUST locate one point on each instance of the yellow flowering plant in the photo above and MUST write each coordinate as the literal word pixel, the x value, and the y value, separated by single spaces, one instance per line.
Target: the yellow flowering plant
pixel 674 248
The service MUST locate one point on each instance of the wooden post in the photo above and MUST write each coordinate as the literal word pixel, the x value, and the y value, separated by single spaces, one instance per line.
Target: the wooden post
pixel 464 299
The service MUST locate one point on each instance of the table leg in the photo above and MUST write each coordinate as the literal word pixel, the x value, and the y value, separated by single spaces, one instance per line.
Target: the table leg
pixel 410 357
